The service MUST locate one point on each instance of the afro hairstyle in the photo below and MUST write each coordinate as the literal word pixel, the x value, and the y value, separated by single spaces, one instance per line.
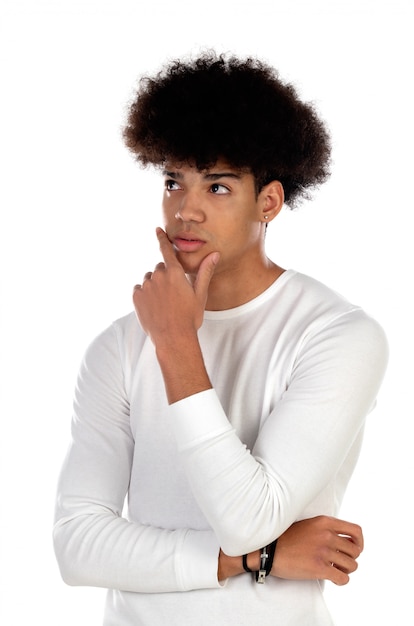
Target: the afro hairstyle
pixel 216 107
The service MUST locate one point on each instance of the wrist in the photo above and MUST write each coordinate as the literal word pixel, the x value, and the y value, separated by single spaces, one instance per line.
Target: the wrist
pixel 261 562
pixel 182 366
pixel 228 566
pixel 177 340
pixel 251 561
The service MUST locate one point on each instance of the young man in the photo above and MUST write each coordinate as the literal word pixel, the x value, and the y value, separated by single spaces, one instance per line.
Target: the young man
pixel 231 403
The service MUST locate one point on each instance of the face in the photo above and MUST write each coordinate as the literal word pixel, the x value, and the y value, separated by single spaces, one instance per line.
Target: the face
pixel 213 210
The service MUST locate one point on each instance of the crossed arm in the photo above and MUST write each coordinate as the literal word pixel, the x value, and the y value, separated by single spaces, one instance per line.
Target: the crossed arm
pixel 95 546
pixel 321 547
pixel 170 310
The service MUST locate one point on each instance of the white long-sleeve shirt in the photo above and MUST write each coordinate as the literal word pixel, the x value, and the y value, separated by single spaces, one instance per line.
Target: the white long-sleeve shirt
pixel 294 373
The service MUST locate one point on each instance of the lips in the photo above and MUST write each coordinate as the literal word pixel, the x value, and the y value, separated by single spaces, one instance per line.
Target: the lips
pixel 187 242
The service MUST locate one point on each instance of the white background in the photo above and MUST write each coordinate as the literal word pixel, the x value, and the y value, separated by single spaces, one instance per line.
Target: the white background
pixel 77 223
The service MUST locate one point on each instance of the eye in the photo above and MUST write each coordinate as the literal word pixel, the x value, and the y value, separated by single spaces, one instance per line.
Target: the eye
pixel 216 188
pixel 171 185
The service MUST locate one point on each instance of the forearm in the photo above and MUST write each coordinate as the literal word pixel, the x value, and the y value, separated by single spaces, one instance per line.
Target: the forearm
pixel 104 550
pixel 321 547
pixel 94 544
pixel 228 482
pixel 302 443
pixel 229 566
pixel 182 366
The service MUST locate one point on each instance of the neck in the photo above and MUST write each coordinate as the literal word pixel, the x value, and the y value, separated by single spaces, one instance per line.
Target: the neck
pixel 228 290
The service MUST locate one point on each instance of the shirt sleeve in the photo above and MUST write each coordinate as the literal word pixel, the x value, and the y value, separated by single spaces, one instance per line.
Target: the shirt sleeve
pixel 301 445
pixel 94 544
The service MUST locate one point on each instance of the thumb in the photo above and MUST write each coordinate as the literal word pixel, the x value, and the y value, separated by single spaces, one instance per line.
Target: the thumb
pixel 204 274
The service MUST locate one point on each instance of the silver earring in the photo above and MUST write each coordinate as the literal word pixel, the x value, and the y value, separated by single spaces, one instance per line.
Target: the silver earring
pixel 266 217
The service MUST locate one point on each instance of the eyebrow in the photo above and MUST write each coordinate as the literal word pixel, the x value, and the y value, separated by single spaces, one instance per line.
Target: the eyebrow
pixel 172 174
pixel 209 176
pixel 216 175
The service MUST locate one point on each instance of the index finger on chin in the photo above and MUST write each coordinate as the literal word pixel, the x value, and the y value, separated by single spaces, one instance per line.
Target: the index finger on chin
pixel 166 247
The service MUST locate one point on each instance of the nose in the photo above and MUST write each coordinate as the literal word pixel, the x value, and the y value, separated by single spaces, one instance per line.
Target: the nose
pixel 190 208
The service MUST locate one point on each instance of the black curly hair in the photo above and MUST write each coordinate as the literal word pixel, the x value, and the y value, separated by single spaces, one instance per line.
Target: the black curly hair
pixel 199 111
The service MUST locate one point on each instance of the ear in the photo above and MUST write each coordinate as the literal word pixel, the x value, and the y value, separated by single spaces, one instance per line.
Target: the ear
pixel 272 198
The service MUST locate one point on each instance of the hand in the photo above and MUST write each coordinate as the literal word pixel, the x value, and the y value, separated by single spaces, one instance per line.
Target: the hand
pixel 166 303
pixel 320 547
pixel 171 311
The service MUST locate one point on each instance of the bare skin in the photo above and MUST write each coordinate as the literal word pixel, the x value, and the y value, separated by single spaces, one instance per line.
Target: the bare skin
pixel 173 326
pixel 321 547
pixel 213 257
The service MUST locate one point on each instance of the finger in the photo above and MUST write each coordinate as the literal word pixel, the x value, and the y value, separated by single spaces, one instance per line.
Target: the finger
pixel 138 287
pixel 336 576
pixel 352 533
pixel 204 275
pixel 349 547
pixel 348 530
pixel 166 248
pixel 344 562
pixel 147 276
pixel 330 571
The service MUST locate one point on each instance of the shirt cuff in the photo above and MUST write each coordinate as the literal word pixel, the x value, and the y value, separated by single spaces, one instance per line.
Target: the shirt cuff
pixel 198 561
pixel 198 418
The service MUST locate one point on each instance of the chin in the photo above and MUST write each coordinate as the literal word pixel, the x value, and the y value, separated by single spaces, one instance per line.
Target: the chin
pixel 189 265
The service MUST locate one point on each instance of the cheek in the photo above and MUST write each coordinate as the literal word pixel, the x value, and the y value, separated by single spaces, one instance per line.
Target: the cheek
pixel 239 230
pixel 167 211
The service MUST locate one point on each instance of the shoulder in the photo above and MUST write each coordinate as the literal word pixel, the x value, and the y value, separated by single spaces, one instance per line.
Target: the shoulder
pixel 117 340
pixel 318 302
pixel 110 356
pixel 329 320
pixel 314 294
